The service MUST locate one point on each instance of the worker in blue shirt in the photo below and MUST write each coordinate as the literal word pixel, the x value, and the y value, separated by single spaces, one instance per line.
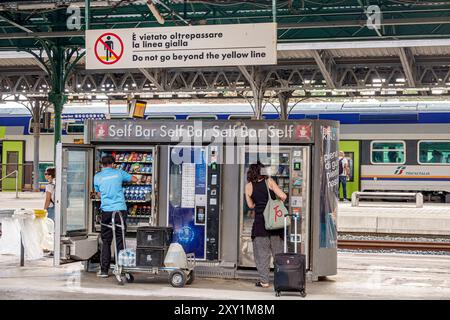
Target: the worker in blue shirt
pixel 108 184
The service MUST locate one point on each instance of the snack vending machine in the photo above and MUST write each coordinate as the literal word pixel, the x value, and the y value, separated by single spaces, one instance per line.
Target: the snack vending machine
pixel 287 166
pixel 140 197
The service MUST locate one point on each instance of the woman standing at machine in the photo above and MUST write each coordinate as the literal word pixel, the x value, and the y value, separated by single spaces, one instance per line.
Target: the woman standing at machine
pixel 265 242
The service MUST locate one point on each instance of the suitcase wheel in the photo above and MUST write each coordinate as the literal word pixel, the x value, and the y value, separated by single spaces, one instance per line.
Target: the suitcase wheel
pixel 277 294
pixel 120 280
pixel 129 277
pixel 303 293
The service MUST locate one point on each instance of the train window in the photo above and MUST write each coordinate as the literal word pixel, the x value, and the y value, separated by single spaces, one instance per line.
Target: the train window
pixel 12 161
pixel 239 117
pixel 43 130
pixel 162 117
pixel 199 117
pixel 350 157
pixel 386 152
pixel 75 128
pixel 434 152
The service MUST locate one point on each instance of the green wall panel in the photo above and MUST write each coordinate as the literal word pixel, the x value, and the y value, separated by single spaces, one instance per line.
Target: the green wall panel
pixel 352 150
pixel 9 184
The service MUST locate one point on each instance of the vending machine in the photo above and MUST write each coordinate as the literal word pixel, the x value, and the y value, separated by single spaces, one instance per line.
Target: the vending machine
pixel 140 162
pixel 192 176
pixel 193 199
pixel 288 167
pixel 77 220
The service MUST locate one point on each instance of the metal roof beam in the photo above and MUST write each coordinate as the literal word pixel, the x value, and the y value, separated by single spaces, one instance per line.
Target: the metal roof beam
pixel 326 65
pixel 31 34
pixel 15 24
pixel 362 23
pixel 409 66
pixel 29 5
pixel 152 79
pixel 371 44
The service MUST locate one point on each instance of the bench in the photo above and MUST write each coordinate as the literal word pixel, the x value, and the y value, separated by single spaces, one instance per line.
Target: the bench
pixel 357 195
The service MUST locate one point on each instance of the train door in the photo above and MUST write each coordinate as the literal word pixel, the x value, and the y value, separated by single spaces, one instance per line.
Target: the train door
pixel 351 149
pixel 12 159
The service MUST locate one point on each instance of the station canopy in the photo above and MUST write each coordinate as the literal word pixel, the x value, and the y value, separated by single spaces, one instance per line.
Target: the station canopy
pixel 325 48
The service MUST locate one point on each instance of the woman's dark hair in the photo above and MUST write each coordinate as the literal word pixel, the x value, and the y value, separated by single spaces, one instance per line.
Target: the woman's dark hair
pixel 107 161
pixel 254 172
pixel 50 171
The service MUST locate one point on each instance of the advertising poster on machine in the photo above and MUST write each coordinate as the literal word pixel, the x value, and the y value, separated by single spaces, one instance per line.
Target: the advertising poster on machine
pixel 329 186
pixel 187 198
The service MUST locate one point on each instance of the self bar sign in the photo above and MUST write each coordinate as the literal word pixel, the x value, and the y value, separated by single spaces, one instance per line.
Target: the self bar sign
pixel 192 46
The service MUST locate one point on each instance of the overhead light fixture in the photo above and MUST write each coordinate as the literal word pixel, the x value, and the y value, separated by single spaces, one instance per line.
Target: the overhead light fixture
pixel 155 11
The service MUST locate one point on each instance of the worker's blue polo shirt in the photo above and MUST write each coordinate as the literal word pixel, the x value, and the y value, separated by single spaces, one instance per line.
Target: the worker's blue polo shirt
pixel 109 183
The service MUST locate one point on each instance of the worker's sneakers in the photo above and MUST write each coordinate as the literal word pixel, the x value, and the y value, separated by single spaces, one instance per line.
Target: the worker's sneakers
pixel 102 274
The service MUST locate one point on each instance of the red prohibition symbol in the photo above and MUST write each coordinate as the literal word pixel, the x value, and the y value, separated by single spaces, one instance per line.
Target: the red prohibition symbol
pixel 108 48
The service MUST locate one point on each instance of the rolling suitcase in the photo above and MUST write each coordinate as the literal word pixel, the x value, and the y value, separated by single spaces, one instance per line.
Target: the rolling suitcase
pixel 290 268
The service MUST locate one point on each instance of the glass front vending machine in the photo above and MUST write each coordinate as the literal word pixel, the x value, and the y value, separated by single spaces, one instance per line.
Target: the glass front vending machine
pixel 77 221
pixel 288 167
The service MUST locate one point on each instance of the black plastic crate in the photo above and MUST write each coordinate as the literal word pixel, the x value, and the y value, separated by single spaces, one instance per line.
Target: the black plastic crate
pixel 154 237
pixel 150 257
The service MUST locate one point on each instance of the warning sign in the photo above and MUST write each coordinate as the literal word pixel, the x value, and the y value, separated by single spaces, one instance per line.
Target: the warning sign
pixel 187 46
pixel 108 48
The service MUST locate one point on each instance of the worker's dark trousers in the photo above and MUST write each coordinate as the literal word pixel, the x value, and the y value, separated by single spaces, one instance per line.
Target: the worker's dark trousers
pixel 107 237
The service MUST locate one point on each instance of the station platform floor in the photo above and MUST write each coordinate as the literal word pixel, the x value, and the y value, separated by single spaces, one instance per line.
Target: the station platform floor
pixel 369 217
pixel 397 218
pixel 360 276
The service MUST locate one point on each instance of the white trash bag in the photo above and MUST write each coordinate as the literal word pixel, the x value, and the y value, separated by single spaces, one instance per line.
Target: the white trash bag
pixel 31 234
pixel 176 257
pixel 46 228
pixel 10 239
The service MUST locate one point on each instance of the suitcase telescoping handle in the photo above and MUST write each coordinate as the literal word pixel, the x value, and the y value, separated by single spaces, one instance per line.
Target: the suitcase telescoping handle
pixel 295 231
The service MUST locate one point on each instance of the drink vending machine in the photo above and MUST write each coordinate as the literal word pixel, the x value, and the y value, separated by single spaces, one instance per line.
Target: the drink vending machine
pixel 77 223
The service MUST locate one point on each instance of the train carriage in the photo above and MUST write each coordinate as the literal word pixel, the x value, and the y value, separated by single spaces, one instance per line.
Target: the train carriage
pixel 398 157
pixel 401 146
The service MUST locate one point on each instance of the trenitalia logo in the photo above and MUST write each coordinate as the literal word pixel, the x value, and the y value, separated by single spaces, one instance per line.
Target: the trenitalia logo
pixel 400 170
